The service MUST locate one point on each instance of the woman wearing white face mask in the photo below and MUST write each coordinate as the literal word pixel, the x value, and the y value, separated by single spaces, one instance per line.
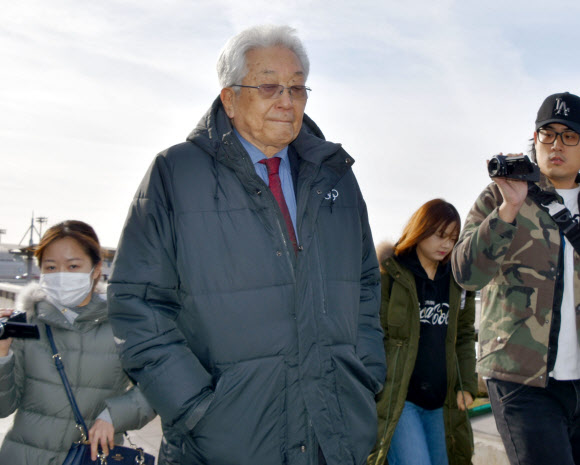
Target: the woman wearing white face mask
pixel 67 299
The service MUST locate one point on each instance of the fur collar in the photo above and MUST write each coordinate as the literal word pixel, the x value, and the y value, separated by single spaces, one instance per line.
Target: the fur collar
pixel 385 250
pixel 32 294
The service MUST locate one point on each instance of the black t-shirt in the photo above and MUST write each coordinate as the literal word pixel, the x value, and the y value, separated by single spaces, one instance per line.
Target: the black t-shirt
pixel 428 384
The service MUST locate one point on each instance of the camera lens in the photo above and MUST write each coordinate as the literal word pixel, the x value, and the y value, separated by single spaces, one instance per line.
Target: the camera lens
pixel 493 167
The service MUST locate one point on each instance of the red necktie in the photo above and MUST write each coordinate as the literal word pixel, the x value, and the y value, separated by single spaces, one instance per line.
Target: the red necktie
pixel 273 164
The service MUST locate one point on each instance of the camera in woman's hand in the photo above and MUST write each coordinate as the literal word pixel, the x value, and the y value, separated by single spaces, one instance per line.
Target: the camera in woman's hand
pixel 16 326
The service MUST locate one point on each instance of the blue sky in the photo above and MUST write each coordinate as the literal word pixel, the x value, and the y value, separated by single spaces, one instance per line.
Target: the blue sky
pixel 420 93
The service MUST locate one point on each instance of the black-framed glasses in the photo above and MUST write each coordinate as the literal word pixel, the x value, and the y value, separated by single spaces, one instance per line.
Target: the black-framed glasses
pixel 271 91
pixel 549 136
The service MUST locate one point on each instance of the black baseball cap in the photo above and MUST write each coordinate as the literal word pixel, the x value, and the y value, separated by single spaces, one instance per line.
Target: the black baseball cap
pixel 561 108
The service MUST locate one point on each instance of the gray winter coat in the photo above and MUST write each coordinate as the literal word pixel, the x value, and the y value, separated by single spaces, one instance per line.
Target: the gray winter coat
pixel 251 352
pixel 44 425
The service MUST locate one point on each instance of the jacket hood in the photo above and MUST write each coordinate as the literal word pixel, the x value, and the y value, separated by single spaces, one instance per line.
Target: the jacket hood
pixel 215 129
pixel 411 261
pixel 385 250
pixel 32 294
pixel 217 119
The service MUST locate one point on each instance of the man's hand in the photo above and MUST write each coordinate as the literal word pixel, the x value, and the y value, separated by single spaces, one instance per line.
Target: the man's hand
pixel 101 434
pixel 461 395
pixel 514 194
pixel 5 343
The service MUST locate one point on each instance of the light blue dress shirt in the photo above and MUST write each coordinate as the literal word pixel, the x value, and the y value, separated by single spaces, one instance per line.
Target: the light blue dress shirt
pixel 284 172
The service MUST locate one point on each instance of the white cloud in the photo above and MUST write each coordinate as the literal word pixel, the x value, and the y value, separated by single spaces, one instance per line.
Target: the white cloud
pixel 420 93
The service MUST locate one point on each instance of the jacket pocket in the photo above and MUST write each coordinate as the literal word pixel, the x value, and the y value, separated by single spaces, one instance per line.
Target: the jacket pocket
pixel 355 401
pixel 509 317
pixel 242 425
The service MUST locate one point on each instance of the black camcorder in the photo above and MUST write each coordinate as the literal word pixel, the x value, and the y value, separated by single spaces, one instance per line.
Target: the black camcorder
pixel 15 326
pixel 520 168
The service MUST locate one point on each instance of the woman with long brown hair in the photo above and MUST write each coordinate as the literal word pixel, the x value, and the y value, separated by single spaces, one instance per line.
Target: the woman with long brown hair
pixel 428 322
pixel 67 299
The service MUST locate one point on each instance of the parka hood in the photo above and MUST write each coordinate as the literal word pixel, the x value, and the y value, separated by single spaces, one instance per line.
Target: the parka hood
pixel 32 294
pixel 385 250
pixel 216 121
pixel 411 261
pixel 206 135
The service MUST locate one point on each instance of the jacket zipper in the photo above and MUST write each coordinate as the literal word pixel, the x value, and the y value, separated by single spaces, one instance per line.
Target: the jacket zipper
pixel 305 189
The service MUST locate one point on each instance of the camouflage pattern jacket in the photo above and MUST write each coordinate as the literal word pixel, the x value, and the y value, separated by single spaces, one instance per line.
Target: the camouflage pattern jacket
pixel 519 267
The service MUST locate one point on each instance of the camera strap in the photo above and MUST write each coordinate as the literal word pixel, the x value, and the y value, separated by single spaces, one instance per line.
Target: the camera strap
pixel 569 224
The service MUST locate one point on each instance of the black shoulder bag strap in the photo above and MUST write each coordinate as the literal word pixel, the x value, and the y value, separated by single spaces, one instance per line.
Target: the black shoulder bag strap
pixel 71 398
pixel 568 223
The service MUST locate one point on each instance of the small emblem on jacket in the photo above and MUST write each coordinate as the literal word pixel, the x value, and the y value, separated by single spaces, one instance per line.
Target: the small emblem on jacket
pixel 561 108
pixel 333 194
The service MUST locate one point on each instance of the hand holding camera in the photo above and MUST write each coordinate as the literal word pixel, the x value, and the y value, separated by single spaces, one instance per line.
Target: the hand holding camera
pixel 14 325
pixel 511 174
pixel 5 343
pixel 518 167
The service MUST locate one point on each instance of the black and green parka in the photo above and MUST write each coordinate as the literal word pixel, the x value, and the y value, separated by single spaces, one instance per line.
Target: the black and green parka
pixel 401 325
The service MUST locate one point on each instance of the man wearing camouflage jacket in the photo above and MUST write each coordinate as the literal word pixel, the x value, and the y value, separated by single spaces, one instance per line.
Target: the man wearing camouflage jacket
pixel 513 250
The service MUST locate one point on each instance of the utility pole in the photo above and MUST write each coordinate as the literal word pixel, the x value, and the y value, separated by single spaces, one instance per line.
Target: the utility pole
pixel 41 220
pixel 29 251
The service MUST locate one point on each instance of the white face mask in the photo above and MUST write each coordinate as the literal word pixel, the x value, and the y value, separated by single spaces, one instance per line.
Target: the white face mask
pixel 66 289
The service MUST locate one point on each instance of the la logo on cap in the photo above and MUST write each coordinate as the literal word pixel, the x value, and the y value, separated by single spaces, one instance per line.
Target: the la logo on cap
pixel 561 107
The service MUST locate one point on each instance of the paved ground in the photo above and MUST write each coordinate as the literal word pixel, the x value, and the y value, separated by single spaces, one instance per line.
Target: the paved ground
pixel 489 449
pixel 488 446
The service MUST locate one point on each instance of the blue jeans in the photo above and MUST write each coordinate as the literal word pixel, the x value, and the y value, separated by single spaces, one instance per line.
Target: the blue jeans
pixel 538 426
pixel 419 438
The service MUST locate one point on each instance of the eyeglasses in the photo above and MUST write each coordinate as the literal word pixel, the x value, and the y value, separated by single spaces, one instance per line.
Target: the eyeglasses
pixel 549 136
pixel 271 91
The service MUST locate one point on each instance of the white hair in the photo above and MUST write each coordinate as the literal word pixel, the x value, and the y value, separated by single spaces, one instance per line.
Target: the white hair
pixel 231 65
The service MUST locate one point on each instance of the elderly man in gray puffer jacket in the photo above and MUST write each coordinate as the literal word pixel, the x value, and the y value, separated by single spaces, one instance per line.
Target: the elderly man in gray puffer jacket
pixel 245 290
